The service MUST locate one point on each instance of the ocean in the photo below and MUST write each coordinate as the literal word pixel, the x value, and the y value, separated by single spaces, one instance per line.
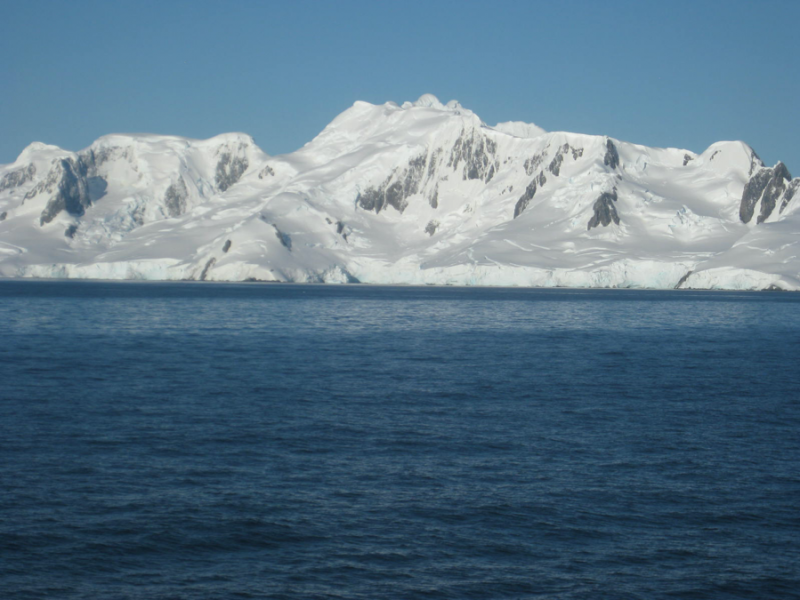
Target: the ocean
pixel 199 440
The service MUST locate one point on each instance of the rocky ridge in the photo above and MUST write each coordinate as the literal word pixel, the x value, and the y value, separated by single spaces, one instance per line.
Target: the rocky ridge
pixel 418 193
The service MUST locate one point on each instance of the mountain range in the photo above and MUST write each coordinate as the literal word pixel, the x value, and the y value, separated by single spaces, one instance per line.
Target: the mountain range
pixel 418 193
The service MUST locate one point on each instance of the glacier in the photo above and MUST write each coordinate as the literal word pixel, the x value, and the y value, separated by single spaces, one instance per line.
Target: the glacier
pixel 418 193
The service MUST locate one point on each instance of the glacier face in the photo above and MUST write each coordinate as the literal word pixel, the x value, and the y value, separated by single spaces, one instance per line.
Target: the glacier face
pixel 423 193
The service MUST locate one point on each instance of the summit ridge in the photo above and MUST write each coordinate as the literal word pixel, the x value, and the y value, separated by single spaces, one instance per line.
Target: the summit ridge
pixel 419 193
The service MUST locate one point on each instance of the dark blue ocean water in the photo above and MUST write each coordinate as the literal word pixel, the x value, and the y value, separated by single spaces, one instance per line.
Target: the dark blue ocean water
pixel 191 440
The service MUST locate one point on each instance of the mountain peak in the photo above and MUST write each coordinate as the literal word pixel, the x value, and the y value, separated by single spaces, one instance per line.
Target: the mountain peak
pixel 428 101
pixel 419 193
pixel 38 149
pixel 431 101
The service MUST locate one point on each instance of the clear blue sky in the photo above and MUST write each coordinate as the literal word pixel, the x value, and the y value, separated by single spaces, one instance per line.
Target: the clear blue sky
pixel 677 73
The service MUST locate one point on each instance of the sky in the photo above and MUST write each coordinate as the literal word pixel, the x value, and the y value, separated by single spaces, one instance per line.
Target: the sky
pixel 669 74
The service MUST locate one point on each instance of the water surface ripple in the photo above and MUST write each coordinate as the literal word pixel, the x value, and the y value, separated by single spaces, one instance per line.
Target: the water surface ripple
pixel 284 441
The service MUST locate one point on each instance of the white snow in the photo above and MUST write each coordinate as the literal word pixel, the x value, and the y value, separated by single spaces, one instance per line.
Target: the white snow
pixel 520 129
pixel 165 207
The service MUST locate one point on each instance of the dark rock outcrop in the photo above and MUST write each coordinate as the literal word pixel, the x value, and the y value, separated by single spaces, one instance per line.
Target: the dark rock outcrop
pixel 342 229
pixel 526 198
pixel 473 155
pixel 95 158
pixel 207 268
pixel 396 189
pixel 775 190
pixel 684 278
pixel 752 193
pixel 604 210
pixel 284 238
pixel 611 158
pixel 67 182
pixel 17 177
pixel 478 155
pixel 227 246
pixel 790 193
pixel 433 162
pixel 555 164
pixel 768 185
pixel 229 170
pixel 530 191
pixel 558 159
pixel 755 162
pixel 431 227
pixel 434 199
pixel 175 198
pixel 532 163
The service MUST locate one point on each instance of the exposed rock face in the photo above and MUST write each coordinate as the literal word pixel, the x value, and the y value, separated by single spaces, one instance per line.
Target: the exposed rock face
pixel 342 229
pixel 537 183
pixel 229 170
pixel 284 238
pixel 604 210
pixel 48 184
pixel 445 174
pixel 775 190
pixel 790 193
pixel 67 181
pixel 433 163
pixel 477 153
pixel 397 188
pixel 434 199
pixel 3 215
pixel 683 279
pixel 532 163
pixel 526 198
pixel 473 155
pixel 555 164
pixel 94 158
pixel 767 185
pixel 755 162
pixel 753 191
pixel 175 198
pixel 611 159
pixel 207 268
pixel 17 178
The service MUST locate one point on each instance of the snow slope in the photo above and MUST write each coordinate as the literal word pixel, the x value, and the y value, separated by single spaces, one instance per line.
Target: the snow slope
pixel 423 193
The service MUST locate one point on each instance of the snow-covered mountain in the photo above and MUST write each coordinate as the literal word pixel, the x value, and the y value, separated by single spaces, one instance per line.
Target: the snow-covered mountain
pixel 422 193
